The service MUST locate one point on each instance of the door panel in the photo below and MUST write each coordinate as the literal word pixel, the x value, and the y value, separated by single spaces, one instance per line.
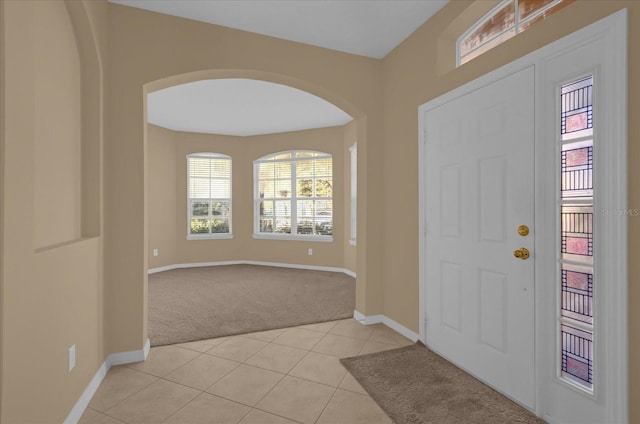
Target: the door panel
pixel 479 189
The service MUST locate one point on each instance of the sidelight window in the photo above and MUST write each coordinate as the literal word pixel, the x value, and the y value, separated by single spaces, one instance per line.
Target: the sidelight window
pixel 576 283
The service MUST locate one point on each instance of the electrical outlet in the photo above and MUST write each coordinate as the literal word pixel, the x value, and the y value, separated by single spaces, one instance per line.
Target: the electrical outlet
pixel 72 357
pixel 310 252
pixel 155 252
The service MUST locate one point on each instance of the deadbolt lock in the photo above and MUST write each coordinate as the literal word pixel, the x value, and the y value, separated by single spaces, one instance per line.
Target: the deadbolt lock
pixel 523 230
pixel 522 253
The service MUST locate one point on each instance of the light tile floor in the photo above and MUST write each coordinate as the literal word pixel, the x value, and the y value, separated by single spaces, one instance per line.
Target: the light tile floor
pixel 292 375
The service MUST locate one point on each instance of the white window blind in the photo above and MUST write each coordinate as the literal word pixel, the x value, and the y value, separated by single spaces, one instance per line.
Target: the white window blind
pixel 209 195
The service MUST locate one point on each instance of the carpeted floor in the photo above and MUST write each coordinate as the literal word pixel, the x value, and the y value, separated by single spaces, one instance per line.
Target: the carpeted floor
pixel 413 385
pixel 201 303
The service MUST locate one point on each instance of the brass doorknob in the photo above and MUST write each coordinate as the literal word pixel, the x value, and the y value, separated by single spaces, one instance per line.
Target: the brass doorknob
pixel 522 253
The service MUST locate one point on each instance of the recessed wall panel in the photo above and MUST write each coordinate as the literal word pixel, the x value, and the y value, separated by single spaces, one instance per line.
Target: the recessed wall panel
pixel 492 309
pixel 492 197
pixel 451 295
pixel 450 200
pixel 491 121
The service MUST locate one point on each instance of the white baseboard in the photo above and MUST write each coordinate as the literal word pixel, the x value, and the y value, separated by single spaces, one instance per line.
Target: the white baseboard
pixel 274 264
pixel 114 359
pixel 379 318
pixel 129 357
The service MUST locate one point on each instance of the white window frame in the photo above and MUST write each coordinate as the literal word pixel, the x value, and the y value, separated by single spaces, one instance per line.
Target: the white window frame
pixel 489 15
pixel 353 232
pixel 209 236
pixel 256 197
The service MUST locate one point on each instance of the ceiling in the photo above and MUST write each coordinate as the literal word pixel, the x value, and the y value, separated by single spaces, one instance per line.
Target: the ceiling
pixel 248 107
pixel 240 107
pixel 363 27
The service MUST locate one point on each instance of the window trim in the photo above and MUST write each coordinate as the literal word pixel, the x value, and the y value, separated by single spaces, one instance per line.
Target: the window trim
pixel 256 199
pixel 353 197
pixel 210 236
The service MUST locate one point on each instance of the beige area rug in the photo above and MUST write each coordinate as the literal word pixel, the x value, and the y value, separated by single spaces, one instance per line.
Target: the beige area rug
pixel 414 385
pixel 202 303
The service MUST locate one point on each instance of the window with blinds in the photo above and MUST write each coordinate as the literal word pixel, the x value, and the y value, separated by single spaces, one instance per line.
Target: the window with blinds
pixel 293 196
pixel 508 18
pixel 209 195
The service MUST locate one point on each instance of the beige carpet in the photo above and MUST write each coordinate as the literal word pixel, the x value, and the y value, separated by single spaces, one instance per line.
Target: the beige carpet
pixel 201 303
pixel 414 385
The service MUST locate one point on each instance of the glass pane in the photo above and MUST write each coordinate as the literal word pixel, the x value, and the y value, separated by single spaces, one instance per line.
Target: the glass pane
pixel 528 7
pixel 525 24
pixel 323 167
pixel 220 226
pixel 305 226
pixel 577 293
pixel 577 233
pixel 220 209
pixel 266 171
pixel 324 224
pixel 267 209
pixel 487 46
pixel 199 188
pixel 199 167
pixel 577 109
pixel 577 169
pixel 305 208
pixel 266 189
pixel 199 208
pixel 199 226
pixel 577 355
pixel 283 225
pixel 282 156
pixel 283 188
pixel 220 189
pixel 283 208
pixel 324 187
pixel 501 21
pixel 305 188
pixel 221 168
pixel 304 168
pixel 324 208
pixel 282 170
pixel 267 225
pixel 305 154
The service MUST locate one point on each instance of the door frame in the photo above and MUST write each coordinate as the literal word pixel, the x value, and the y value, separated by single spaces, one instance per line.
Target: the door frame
pixel 612 256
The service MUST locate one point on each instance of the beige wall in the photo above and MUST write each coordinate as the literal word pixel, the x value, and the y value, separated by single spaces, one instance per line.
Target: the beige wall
pixel 421 69
pixel 51 273
pixel 154 51
pixel 55 297
pixel 162 196
pixel 167 180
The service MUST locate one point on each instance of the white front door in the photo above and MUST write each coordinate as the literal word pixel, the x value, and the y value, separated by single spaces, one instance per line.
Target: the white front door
pixel 479 191
pixel 549 331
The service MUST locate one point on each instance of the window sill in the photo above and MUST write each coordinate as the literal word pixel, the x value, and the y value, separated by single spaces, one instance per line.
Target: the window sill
pixel 352 242
pixel 209 236
pixel 326 239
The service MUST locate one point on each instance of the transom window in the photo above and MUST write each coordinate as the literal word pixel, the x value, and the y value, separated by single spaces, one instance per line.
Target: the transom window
pixel 209 195
pixel 293 195
pixel 504 21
